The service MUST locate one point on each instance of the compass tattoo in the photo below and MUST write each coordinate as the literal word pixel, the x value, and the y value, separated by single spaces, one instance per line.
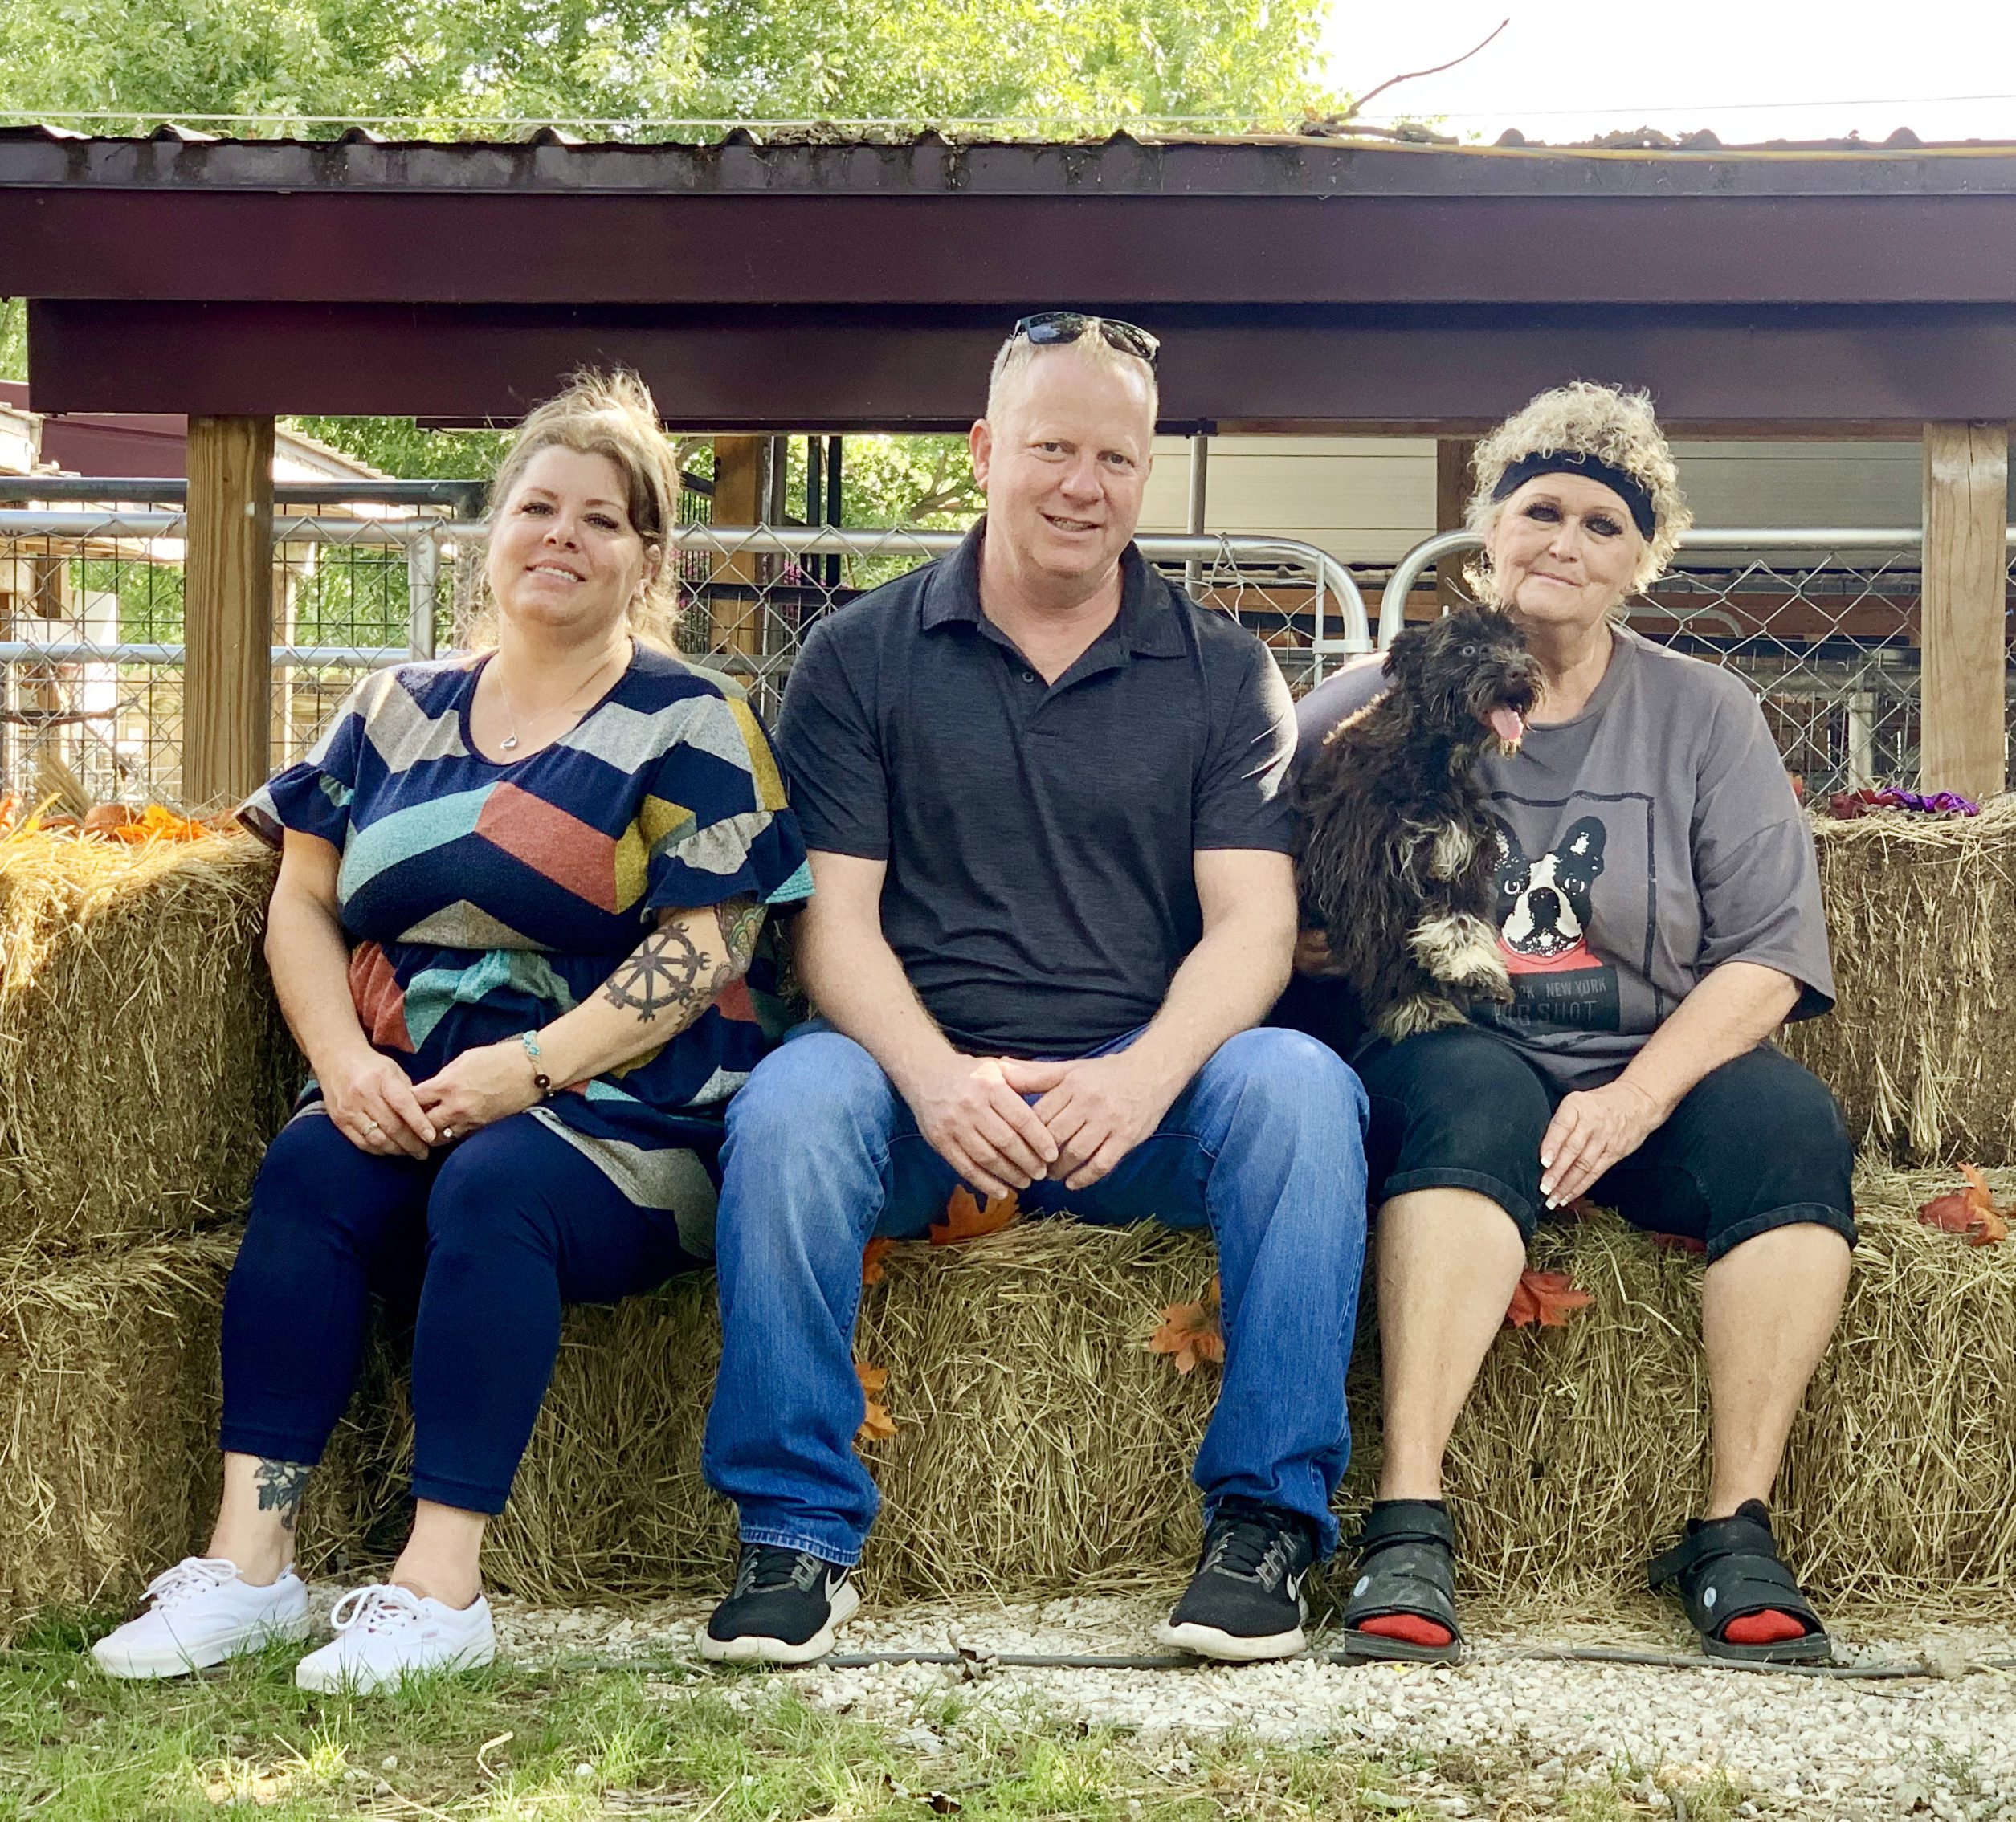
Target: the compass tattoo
pixel 663 971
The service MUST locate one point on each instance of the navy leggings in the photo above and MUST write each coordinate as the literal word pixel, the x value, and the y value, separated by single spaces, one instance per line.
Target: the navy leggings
pixel 495 1232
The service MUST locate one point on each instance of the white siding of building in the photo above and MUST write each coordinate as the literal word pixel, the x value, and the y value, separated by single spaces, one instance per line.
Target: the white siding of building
pixel 1367 500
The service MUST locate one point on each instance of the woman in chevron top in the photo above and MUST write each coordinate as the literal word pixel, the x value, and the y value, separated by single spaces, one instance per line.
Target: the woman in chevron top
pixel 515 932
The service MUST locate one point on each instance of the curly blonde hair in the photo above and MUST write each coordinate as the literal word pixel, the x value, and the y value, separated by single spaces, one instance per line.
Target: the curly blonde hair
pixel 612 415
pixel 1585 418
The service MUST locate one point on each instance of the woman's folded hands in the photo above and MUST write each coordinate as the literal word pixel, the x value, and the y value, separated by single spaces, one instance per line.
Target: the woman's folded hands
pixel 375 1107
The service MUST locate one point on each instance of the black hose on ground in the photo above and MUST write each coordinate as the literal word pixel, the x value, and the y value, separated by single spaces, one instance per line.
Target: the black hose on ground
pixel 1512 1654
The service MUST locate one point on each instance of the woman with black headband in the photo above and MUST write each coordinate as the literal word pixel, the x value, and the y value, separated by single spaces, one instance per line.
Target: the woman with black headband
pixel 1659 913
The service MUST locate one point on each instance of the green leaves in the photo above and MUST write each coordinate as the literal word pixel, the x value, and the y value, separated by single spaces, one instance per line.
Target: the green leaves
pixel 1048 65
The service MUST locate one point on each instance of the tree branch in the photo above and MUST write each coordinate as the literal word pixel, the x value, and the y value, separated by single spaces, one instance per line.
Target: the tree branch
pixel 1358 101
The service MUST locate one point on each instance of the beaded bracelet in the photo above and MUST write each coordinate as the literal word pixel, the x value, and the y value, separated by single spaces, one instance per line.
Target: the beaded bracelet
pixel 540 1079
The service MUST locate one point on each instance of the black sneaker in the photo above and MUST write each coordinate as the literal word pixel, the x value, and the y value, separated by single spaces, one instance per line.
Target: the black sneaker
pixel 783 1608
pixel 1245 1602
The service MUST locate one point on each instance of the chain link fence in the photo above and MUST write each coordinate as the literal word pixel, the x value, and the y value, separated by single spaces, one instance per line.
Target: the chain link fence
pixel 92 625
pixel 92 615
pixel 749 594
pixel 1822 625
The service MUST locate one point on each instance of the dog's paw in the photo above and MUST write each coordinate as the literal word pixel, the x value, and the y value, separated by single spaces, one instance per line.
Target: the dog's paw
pixel 1487 977
pixel 1460 950
pixel 1425 1011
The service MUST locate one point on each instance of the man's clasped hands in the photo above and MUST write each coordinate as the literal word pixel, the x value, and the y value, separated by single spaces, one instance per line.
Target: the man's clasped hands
pixel 1004 1123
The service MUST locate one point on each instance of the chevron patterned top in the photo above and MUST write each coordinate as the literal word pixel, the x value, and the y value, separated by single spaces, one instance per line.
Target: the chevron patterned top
pixel 484 900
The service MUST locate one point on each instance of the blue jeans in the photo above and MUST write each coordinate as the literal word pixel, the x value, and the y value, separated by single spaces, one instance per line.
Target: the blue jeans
pixel 1266 1145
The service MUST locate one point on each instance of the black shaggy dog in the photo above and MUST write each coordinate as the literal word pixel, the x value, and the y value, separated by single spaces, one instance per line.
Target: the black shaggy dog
pixel 1399 858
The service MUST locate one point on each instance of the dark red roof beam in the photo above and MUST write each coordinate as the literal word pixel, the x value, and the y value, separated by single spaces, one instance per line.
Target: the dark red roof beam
pixel 1831 370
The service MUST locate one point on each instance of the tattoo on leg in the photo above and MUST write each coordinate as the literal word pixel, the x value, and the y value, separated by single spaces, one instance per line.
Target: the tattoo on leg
pixel 280 1485
pixel 664 971
pixel 740 922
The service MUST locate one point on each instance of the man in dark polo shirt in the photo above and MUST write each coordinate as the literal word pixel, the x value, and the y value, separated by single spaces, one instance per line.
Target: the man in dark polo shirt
pixel 1043 792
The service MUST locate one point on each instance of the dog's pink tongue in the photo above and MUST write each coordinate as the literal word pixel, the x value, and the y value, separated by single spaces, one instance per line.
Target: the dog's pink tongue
pixel 1507 724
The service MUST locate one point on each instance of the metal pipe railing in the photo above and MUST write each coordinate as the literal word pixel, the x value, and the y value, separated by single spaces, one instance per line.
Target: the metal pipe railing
pixel 463 497
pixel 1329 576
pixel 28 522
pixel 1392 601
pixel 89 651
pixel 424 539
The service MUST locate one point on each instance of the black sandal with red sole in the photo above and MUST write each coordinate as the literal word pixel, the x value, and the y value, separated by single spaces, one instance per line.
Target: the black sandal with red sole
pixel 1406 1566
pixel 1729 1569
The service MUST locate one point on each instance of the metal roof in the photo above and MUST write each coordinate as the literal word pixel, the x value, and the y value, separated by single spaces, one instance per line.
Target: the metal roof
pixel 813 159
pixel 809 280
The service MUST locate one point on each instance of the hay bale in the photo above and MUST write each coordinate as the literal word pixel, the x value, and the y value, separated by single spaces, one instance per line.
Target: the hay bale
pixel 1922 1048
pixel 107 1417
pixel 1039 1445
pixel 1901 1471
pixel 1041 1448
pixel 143 1065
pixel 1581 1444
pixel 1584 1448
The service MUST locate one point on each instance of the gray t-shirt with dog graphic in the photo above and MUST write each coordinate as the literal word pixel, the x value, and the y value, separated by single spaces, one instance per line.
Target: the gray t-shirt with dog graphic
pixel 1649 840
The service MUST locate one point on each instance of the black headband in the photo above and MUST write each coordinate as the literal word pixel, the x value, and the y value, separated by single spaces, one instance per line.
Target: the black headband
pixel 1626 487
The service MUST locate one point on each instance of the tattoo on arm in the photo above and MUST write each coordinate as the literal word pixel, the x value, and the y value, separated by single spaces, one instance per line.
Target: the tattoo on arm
pixel 740 922
pixel 280 1485
pixel 667 970
pixel 669 973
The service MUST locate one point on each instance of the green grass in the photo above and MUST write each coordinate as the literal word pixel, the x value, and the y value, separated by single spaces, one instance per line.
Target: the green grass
pixel 561 1743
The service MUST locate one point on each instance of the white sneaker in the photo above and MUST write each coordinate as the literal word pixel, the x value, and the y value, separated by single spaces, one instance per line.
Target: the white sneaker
pixel 199 1614
pixel 385 1634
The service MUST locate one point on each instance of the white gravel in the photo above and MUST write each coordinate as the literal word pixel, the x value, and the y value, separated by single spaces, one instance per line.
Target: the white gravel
pixel 1497 1730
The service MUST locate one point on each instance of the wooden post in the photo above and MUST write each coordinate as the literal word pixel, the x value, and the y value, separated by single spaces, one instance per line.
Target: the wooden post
pixel 227 681
pixel 741 490
pixel 1452 497
pixel 1967 481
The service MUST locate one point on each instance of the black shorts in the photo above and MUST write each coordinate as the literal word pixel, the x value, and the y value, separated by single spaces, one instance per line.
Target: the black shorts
pixel 1756 1144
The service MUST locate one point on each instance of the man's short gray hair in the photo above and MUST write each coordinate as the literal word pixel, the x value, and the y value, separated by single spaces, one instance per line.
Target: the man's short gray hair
pixel 1014 357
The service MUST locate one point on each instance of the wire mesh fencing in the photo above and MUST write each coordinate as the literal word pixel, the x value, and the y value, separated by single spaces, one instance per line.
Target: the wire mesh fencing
pixel 1823 624
pixel 93 625
pixel 94 618
pixel 748 595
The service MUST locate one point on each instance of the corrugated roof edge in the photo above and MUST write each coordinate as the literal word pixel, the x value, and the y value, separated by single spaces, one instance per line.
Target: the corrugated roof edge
pixel 815 160
pixel 1645 142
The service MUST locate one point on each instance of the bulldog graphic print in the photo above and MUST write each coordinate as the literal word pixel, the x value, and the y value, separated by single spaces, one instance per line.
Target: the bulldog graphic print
pixel 1576 889
pixel 1544 912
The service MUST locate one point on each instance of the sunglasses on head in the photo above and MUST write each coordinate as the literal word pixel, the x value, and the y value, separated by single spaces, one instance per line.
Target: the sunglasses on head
pixel 1054 329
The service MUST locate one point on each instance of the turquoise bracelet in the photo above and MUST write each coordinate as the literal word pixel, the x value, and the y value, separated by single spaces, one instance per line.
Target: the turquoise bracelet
pixel 529 1042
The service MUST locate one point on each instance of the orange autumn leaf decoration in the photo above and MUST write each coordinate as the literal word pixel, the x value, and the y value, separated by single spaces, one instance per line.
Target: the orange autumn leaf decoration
pixel 1545 1300
pixel 1191 1333
pixel 114 822
pixel 1973 1213
pixel 967 1219
pixel 877 1426
pixel 871 1257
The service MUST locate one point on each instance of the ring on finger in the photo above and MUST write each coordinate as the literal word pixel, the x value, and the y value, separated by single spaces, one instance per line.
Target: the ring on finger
pixel 447 1132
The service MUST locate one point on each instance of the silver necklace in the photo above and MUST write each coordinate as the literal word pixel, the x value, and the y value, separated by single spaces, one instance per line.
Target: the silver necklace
pixel 509 743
